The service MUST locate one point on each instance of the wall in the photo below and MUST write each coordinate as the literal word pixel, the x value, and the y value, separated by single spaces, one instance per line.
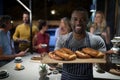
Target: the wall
pixel 1 7
pixel 118 20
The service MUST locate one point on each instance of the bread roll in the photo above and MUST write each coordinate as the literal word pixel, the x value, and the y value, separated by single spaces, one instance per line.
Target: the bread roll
pixel 66 54
pixel 50 54
pixel 72 57
pixel 82 55
pixel 68 51
pixel 62 54
pixel 100 55
pixel 53 56
pixel 90 51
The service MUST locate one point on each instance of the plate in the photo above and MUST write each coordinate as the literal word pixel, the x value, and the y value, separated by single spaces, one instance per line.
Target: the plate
pixel 117 37
pixel 44 45
pixel 2 77
pixel 114 40
pixel 22 67
pixel 36 58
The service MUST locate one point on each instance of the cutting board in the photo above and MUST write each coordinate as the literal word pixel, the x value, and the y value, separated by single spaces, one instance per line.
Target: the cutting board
pixel 47 59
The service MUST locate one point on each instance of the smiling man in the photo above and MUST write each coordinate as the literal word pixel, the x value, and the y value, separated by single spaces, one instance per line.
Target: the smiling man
pixel 22 33
pixel 77 40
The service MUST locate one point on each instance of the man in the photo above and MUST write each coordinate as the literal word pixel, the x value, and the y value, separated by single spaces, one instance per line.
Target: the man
pixel 22 33
pixel 77 40
pixel 6 45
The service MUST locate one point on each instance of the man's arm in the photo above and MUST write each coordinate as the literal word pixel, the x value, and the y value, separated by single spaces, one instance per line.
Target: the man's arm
pixel 5 57
pixel 16 34
pixel 97 43
pixel 9 57
pixel 35 30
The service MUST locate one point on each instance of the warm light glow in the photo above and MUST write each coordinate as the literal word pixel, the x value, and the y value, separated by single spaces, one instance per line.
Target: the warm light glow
pixel 53 12
pixel 11 22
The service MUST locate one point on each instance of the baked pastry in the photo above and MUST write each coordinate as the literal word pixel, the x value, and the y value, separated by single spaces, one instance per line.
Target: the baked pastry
pixel 82 55
pixel 93 52
pixel 66 50
pixel 54 56
pixel 100 55
pixel 90 51
pixel 62 54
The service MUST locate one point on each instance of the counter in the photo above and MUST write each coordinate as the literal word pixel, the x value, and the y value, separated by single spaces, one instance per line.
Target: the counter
pixel 31 71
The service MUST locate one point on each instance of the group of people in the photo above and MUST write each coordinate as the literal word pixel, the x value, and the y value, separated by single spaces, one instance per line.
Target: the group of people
pixel 71 34
pixel 22 37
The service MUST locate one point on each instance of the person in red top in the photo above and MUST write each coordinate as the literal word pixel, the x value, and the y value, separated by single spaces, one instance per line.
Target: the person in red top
pixel 41 39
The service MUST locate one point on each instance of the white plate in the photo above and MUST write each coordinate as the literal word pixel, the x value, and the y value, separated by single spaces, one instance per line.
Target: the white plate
pixel 3 74
pixel 44 45
pixel 117 37
pixel 114 41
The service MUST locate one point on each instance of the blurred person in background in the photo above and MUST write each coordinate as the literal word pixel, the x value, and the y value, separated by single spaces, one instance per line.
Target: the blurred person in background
pixel 62 31
pixel 99 27
pixel 7 52
pixel 22 33
pixel 64 28
pixel 41 39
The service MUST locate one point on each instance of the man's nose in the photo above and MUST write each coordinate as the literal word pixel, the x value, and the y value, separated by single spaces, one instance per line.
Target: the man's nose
pixel 79 21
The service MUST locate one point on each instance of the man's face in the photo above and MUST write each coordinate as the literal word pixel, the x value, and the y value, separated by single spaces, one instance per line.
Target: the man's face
pixel 26 18
pixel 78 22
pixel 8 25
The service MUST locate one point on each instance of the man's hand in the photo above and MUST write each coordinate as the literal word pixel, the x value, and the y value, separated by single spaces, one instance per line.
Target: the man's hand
pixel 110 52
pixel 23 41
pixel 22 53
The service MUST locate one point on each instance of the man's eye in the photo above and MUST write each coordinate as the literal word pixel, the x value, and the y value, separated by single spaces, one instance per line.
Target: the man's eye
pixel 75 19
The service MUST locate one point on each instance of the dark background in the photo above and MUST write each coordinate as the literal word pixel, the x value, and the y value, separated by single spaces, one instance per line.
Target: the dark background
pixel 41 8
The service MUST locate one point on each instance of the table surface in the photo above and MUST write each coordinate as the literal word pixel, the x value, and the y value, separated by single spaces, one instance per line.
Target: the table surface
pixel 31 71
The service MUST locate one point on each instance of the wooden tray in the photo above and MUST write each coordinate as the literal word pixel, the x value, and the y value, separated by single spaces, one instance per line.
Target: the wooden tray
pixel 47 59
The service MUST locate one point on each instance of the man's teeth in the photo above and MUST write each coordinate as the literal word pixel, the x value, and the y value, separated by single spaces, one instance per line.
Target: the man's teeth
pixel 78 27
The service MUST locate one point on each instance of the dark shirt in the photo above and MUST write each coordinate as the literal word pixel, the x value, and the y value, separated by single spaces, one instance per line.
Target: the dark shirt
pixel 43 39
